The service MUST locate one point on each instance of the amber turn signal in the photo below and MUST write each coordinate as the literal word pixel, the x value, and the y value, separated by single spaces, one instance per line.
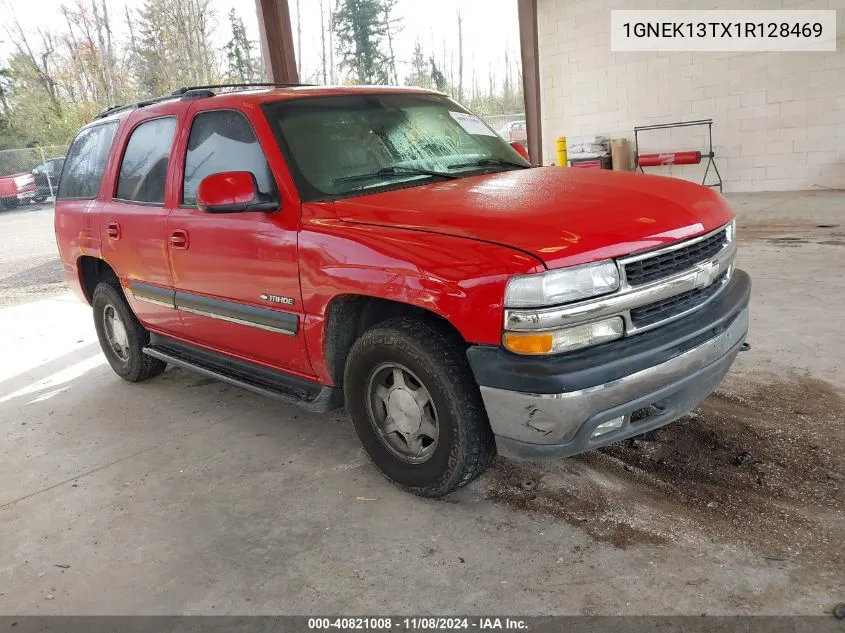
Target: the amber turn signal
pixel 529 342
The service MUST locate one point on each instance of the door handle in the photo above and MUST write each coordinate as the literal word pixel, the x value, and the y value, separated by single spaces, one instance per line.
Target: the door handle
pixel 113 230
pixel 179 239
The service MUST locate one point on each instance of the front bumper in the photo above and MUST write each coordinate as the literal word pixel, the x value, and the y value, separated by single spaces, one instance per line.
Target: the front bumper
pixel 550 407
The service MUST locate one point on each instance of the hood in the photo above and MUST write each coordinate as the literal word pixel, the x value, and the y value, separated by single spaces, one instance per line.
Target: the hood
pixel 561 216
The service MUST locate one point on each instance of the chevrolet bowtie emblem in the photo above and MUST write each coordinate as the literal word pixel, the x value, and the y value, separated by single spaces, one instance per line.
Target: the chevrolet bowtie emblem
pixel 706 275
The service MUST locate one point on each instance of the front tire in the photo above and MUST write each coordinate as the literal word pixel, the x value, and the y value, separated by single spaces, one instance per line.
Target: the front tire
pixel 416 407
pixel 122 337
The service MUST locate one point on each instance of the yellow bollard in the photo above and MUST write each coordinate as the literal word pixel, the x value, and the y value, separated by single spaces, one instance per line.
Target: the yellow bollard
pixel 561 151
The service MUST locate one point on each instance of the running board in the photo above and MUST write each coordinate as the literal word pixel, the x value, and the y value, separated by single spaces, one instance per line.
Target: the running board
pixel 261 380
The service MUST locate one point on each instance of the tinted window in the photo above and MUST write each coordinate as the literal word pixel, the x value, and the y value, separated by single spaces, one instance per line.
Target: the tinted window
pixel 86 161
pixel 223 140
pixel 143 173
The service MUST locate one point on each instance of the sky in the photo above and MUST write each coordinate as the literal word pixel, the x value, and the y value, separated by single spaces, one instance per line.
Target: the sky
pixel 489 28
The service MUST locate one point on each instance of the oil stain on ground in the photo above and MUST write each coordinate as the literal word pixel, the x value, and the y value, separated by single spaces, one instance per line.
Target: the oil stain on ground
pixel 756 464
pixel 791 233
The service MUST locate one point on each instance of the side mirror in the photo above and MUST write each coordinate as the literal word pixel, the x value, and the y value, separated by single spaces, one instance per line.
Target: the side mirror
pixel 232 192
pixel 520 148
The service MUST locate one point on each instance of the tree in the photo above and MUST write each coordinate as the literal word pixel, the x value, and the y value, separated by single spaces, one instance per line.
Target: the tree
pixel 323 40
pixel 242 63
pixel 88 40
pixel 332 68
pixel 39 64
pixel 419 75
pixel 392 27
pixel 32 117
pixel 360 29
pixel 298 41
pixel 437 77
pixel 174 45
pixel 9 136
pixel 460 58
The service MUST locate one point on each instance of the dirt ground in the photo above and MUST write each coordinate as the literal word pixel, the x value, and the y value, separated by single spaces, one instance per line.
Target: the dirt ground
pixel 757 464
pixel 184 495
pixel 761 462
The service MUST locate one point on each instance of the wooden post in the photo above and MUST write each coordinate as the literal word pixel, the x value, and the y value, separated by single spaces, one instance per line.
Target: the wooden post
pixel 531 76
pixel 277 41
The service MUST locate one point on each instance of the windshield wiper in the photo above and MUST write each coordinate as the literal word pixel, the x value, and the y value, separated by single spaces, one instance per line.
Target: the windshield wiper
pixel 490 162
pixel 395 170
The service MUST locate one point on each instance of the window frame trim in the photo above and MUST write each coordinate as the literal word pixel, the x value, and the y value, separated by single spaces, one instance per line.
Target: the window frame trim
pixel 129 133
pixel 90 126
pixel 193 117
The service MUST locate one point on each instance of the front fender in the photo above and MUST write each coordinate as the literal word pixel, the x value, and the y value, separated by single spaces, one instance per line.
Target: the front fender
pixel 459 279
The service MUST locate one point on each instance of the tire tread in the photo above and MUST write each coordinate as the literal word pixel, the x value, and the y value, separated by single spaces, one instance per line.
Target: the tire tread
pixel 144 367
pixel 435 346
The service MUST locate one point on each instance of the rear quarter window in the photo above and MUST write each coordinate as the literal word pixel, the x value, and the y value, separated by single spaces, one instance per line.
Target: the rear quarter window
pixel 86 161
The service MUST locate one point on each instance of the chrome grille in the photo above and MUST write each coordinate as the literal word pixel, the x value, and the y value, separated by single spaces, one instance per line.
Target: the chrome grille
pixel 673 306
pixel 691 273
pixel 668 263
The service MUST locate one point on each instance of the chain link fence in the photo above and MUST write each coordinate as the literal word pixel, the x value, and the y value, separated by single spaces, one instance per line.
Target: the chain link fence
pixel 44 164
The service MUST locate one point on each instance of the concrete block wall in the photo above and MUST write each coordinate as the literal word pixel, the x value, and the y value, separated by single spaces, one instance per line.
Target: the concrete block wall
pixel 779 118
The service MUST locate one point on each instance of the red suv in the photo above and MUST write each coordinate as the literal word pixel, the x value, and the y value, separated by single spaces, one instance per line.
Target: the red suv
pixel 383 248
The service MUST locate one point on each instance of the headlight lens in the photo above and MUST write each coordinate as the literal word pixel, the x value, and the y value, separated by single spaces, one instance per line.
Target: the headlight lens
pixel 562 286
pixel 730 231
pixel 565 339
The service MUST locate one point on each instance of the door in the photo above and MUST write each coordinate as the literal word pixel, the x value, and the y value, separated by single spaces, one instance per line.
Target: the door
pixel 236 274
pixel 133 223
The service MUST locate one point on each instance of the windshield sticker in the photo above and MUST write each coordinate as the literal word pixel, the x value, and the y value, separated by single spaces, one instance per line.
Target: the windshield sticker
pixel 472 124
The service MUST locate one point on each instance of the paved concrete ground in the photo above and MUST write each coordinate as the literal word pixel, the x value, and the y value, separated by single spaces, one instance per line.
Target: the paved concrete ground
pixel 184 495
pixel 29 264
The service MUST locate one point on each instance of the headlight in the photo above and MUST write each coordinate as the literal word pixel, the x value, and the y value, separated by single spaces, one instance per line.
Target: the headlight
pixel 730 231
pixel 561 286
pixel 564 339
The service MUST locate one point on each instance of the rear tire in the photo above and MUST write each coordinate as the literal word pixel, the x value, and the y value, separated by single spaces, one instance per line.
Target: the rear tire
pixel 406 373
pixel 122 337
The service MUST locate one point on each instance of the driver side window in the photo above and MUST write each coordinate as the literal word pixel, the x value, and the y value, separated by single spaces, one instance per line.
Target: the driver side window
pixel 223 140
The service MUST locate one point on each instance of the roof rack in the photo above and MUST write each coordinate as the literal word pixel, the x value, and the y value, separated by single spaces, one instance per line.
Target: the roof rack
pixel 139 104
pixel 245 86
pixel 191 92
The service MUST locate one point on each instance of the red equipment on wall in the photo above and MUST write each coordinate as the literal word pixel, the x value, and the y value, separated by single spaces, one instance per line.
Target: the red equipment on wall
pixel 678 158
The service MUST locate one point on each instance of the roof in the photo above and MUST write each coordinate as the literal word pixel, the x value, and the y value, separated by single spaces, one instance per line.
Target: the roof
pixel 259 93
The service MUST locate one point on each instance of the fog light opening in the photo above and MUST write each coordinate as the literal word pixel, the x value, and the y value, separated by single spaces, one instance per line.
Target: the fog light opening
pixel 646 412
pixel 608 427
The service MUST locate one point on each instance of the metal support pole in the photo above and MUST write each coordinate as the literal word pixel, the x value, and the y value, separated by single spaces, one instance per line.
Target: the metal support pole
pixel 527 10
pixel 46 171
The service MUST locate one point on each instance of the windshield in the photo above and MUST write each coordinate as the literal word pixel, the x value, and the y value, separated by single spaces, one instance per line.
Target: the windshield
pixel 357 144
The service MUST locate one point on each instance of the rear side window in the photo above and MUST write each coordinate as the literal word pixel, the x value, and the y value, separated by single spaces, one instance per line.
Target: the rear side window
pixel 223 140
pixel 86 161
pixel 143 172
